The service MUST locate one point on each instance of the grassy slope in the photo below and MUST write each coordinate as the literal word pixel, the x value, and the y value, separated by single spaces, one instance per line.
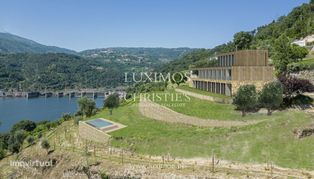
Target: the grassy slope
pixel 268 141
pixel 206 109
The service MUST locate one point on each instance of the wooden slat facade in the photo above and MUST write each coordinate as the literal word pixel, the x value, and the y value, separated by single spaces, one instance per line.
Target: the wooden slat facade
pixel 240 67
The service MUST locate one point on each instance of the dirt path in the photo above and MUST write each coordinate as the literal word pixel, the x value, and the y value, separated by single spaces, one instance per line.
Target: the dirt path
pixel 158 112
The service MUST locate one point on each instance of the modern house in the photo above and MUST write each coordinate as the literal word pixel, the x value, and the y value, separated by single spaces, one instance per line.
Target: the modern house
pixel 233 70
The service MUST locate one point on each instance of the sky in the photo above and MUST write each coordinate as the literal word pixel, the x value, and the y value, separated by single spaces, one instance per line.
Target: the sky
pixel 88 24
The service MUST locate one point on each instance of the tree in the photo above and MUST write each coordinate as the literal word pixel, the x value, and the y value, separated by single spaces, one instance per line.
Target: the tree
pixel 15 141
pixel 86 106
pixel 45 145
pixel 25 125
pixel 282 54
pixel 112 102
pixel 178 78
pixel 271 96
pixel 285 53
pixel 245 98
pixel 243 40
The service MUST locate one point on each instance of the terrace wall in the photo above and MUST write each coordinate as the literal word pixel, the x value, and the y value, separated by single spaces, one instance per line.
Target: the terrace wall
pixel 91 133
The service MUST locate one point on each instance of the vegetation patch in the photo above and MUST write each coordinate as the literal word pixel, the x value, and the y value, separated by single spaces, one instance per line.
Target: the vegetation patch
pixel 307 64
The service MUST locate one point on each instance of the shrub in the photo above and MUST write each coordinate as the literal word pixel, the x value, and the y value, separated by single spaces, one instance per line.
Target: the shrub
pixel 77 119
pixel 30 140
pixel 66 117
pixel 45 144
pixel 104 176
pixel 16 141
pixel 293 89
pixel 293 86
pixel 301 100
pixel 295 67
pixel 2 153
pixel 4 140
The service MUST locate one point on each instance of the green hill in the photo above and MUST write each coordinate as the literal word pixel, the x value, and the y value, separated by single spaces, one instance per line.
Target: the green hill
pixel 10 43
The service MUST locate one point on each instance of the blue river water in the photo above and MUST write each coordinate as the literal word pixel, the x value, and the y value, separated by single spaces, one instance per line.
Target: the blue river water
pixel 13 110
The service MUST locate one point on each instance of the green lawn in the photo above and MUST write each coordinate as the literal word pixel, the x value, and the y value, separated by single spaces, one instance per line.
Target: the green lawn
pixel 204 109
pixel 194 90
pixel 272 140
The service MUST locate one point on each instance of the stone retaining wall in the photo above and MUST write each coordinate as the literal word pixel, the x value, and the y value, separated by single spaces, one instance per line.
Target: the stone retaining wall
pixel 258 84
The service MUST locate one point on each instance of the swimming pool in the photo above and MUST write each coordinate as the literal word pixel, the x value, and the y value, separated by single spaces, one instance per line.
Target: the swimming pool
pixel 99 123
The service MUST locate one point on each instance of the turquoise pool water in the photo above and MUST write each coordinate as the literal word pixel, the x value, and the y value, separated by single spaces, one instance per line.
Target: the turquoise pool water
pixel 99 123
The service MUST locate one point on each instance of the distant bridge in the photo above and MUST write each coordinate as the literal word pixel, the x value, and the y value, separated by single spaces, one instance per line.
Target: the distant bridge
pixel 90 93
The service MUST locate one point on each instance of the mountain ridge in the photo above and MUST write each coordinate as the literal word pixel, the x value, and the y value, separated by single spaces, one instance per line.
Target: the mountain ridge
pixel 10 43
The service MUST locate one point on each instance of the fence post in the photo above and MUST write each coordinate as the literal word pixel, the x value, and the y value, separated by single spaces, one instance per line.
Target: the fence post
pixel 271 170
pixel 86 147
pixel 213 162
pixel 122 156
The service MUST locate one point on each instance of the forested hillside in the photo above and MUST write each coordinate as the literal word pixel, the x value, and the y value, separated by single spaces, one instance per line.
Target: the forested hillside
pixel 55 71
pixel 10 43
pixel 297 24
pixel 93 69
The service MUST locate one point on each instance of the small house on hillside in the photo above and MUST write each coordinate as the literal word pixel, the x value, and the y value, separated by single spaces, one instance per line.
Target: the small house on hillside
pixel 305 41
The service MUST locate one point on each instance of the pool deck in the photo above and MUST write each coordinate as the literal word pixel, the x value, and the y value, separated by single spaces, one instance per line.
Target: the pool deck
pixel 107 129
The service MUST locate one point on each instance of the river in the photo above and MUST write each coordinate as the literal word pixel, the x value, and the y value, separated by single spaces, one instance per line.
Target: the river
pixel 13 110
